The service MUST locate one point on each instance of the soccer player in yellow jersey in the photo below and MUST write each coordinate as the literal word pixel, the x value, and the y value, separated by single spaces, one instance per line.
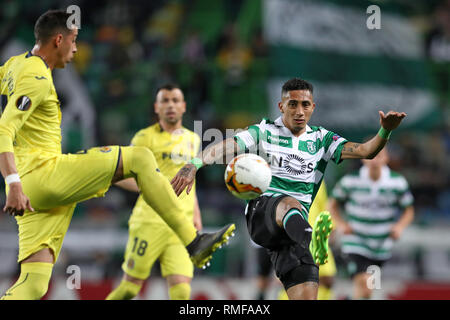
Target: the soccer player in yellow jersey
pixel 43 185
pixel 150 238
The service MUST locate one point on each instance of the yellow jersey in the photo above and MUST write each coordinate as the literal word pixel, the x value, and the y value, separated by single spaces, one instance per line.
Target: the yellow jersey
pixel 30 124
pixel 319 204
pixel 172 151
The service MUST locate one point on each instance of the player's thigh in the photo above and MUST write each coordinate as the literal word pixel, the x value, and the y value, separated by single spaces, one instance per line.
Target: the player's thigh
pixel 71 178
pixel 261 222
pixel 175 259
pixel 43 229
pixel 145 244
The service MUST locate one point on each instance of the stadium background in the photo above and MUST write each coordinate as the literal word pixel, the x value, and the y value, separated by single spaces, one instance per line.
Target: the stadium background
pixel 230 57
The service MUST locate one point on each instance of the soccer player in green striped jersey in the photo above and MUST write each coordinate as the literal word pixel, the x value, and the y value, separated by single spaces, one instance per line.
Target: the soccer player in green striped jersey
pixel 298 155
pixel 378 206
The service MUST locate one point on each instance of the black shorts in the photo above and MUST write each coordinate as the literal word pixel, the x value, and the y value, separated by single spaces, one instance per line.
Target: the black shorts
pixel 293 262
pixel 264 264
pixel 358 264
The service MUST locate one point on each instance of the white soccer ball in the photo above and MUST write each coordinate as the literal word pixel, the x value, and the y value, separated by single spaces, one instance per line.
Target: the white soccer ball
pixel 247 176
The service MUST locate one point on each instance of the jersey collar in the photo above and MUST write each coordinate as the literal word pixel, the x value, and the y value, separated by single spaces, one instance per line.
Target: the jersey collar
pixel 29 54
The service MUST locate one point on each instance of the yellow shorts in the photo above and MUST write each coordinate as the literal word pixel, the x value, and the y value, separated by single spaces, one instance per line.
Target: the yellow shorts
pixel 328 269
pixel 55 188
pixel 148 242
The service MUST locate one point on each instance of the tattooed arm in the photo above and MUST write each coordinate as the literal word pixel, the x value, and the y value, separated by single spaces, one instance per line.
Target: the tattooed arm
pixel 217 153
pixel 370 149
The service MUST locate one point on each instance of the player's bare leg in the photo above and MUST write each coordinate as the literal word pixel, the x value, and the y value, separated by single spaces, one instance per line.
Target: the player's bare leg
pixel 140 163
pixel 303 291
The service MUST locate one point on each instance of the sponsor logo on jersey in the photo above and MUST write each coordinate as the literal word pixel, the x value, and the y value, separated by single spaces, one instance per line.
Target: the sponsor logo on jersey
pixel 336 137
pixel 23 103
pixel 296 165
pixel 40 78
pixel 277 140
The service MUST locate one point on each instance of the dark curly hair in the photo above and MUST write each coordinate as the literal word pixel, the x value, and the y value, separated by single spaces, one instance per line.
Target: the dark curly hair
pixel 296 84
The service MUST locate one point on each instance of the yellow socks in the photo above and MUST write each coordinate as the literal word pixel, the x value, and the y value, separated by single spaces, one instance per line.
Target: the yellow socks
pixel 140 163
pixel 125 291
pixel 180 291
pixel 32 283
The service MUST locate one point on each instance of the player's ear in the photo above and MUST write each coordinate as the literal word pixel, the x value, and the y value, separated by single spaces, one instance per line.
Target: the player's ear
pixel 58 40
pixel 280 106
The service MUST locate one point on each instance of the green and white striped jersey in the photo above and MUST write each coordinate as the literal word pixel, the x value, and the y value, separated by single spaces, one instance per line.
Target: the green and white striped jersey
pixel 371 208
pixel 297 163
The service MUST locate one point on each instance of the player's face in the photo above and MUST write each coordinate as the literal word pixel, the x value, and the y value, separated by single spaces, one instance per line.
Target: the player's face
pixel 66 46
pixel 296 107
pixel 170 105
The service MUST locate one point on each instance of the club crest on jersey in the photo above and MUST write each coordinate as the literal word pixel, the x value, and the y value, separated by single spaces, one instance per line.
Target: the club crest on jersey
pixel 105 149
pixel 311 146
pixel 23 103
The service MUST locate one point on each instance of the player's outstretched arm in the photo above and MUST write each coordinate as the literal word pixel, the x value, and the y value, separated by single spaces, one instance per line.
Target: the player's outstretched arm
pixel 16 202
pixel 370 149
pixel 217 153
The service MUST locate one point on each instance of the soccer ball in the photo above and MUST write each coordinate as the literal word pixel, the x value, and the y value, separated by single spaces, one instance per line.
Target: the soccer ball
pixel 247 176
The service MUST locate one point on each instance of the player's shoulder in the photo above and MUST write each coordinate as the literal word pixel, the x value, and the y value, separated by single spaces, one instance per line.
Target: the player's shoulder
pixel 28 67
pixel 266 123
pixel 33 65
pixel 143 133
pixel 15 58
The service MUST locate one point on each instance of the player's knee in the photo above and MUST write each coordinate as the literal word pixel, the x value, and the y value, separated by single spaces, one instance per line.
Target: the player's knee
pixel 180 291
pixel 286 204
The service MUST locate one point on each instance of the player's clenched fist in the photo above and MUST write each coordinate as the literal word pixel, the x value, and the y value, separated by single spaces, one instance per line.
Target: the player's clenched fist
pixel 16 202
